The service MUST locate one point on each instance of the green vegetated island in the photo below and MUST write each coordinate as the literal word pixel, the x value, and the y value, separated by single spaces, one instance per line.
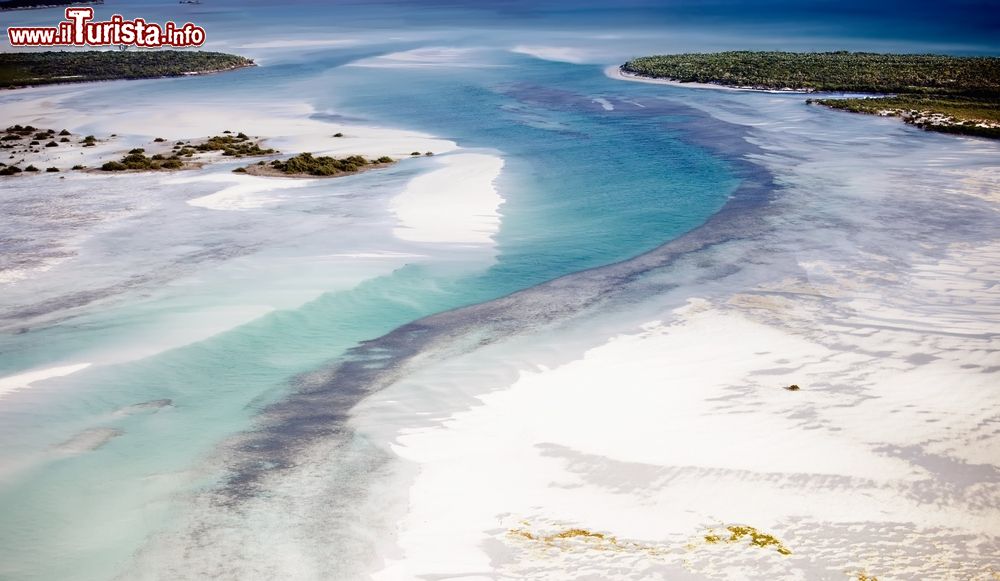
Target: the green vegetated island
pixel 181 152
pixel 22 69
pixel 27 146
pixel 934 92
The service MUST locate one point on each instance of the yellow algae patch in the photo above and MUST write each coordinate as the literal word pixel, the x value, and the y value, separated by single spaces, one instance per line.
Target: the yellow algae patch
pixel 574 533
pixel 579 538
pixel 757 538
pixel 523 533
pixel 570 533
pixel 862 576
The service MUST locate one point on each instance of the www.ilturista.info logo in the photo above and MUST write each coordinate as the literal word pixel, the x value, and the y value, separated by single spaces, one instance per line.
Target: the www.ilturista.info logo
pixel 79 30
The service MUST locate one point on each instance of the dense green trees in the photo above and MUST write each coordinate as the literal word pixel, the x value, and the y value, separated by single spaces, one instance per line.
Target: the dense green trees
pixel 934 92
pixel 828 71
pixel 39 68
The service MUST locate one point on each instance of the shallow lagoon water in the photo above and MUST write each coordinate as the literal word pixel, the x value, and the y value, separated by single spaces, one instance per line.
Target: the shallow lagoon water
pixel 150 274
pixel 223 313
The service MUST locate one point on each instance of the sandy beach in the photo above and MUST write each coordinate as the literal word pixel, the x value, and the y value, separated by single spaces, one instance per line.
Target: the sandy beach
pixel 288 127
pixel 585 326
pixel 615 72
pixel 464 186
pixel 805 396
pixel 660 438
pixel 651 452
pixel 25 380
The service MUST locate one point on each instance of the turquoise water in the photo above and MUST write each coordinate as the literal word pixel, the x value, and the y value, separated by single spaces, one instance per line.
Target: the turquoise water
pixel 582 187
pixel 596 171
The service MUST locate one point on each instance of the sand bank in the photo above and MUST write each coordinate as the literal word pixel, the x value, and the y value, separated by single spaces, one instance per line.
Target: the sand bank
pixel 27 379
pixel 457 203
pixel 631 457
pixel 248 192
pixel 661 438
pixel 615 72
pixel 287 126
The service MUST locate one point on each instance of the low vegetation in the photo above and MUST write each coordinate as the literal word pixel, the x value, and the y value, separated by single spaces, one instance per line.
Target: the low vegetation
pixel 239 145
pixel 23 131
pixel 946 114
pixel 19 69
pixel 828 71
pixel 305 164
pixel 24 140
pixel 935 92
pixel 137 160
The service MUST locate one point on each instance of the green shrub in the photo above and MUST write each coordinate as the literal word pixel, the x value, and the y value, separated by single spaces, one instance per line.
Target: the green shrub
pixel 306 163
pixel 230 146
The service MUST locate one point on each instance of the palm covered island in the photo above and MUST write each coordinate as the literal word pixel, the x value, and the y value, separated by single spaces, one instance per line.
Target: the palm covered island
pixel 935 92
